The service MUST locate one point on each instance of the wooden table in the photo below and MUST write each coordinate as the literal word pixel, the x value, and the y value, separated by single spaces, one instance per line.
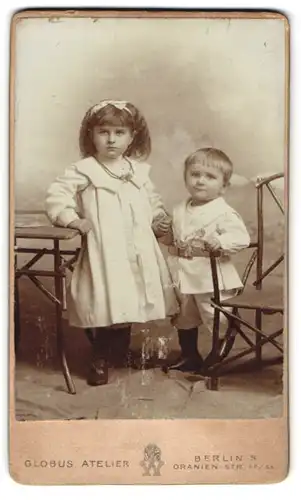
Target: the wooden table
pixel 62 260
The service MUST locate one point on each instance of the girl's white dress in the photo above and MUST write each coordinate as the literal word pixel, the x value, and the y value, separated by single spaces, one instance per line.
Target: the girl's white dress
pixel 120 275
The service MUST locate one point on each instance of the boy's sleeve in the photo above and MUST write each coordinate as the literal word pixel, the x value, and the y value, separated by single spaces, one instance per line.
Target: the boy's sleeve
pixel 61 199
pixel 232 233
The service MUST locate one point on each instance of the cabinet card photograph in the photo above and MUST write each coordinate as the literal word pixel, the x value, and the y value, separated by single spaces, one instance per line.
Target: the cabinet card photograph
pixel 148 180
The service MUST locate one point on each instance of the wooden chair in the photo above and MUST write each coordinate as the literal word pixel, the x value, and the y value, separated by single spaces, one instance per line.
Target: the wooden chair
pixel 255 297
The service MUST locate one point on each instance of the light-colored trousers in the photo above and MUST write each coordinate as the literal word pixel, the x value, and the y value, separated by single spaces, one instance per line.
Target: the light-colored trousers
pixel 196 309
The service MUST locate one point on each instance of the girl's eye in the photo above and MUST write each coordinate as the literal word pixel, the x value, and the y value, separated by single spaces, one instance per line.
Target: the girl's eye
pixel 120 132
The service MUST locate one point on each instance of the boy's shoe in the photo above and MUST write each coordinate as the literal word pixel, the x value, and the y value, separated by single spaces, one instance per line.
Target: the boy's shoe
pixel 185 364
pixel 190 359
pixel 99 373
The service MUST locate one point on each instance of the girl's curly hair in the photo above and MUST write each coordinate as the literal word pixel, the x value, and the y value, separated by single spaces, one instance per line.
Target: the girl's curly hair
pixel 131 117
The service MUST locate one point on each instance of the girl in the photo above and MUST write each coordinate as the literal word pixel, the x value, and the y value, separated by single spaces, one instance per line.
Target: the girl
pixel 120 276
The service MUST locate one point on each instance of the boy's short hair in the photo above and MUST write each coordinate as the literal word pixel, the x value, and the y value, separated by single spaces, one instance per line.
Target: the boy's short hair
pixel 211 157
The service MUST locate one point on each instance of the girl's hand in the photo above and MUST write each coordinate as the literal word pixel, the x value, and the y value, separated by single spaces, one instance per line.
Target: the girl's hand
pixel 82 225
pixel 161 225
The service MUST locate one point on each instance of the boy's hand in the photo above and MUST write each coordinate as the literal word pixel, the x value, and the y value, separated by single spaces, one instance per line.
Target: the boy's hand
pixel 184 249
pixel 82 225
pixel 212 244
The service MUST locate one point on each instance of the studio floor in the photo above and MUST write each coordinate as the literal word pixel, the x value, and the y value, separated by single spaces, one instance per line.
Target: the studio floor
pixel 41 394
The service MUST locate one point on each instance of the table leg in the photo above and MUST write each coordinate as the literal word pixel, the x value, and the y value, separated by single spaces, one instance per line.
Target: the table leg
pixel 58 283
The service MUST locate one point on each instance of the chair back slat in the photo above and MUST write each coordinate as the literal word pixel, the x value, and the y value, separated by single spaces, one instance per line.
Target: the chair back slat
pixel 258 253
pixel 272 191
pixel 213 262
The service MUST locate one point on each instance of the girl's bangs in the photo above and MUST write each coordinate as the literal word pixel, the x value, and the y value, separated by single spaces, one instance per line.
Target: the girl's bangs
pixel 114 118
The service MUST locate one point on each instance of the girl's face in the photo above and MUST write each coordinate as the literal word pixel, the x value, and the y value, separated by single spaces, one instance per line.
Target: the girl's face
pixel 111 141
pixel 204 183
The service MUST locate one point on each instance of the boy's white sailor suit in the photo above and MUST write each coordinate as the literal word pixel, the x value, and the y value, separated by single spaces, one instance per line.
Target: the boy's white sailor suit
pixel 192 277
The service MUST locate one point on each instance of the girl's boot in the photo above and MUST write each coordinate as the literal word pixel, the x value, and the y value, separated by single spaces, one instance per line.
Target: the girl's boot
pixel 98 373
pixel 120 339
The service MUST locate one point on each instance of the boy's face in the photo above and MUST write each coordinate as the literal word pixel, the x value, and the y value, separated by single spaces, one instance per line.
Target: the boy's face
pixel 204 183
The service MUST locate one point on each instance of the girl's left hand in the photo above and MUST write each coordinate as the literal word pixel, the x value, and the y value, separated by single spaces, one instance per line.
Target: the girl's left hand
pixel 161 226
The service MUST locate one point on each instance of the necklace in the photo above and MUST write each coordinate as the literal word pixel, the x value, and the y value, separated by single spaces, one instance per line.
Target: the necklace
pixel 124 177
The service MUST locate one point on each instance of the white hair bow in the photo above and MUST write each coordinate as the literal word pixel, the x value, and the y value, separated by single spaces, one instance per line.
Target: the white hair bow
pixel 122 105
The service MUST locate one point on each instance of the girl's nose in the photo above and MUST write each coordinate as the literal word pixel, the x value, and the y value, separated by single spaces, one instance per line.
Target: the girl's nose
pixel 111 137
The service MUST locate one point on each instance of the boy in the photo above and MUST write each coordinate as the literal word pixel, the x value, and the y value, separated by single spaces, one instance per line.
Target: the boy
pixel 203 223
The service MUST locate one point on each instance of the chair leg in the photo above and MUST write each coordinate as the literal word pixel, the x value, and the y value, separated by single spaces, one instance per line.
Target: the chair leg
pixel 228 341
pixel 258 351
pixel 212 383
pixel 213 355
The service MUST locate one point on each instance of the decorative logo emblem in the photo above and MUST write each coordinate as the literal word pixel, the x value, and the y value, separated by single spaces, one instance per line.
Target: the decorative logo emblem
pixel 152 462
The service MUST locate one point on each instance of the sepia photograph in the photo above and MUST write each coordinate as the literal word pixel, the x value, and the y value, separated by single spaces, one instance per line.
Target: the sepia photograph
pixel 149 166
